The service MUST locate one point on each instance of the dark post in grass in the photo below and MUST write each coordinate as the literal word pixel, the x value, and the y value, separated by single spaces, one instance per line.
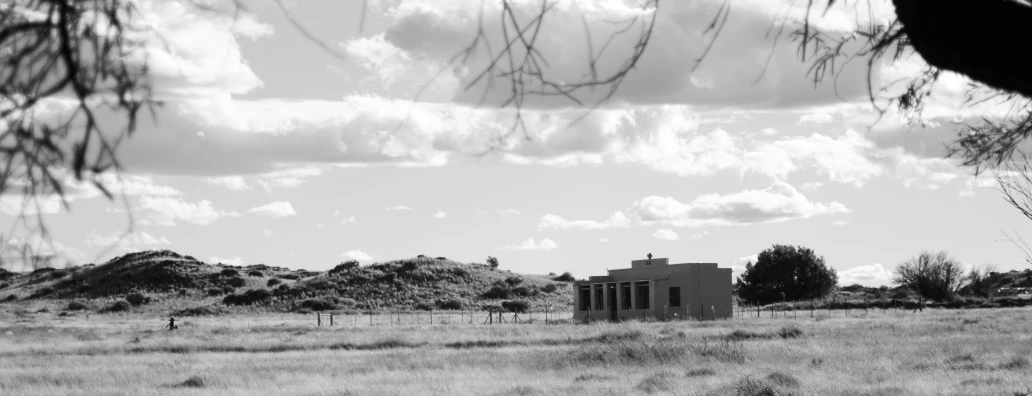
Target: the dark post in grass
pixel 431 316
pixel 331 319
pixel 318 319
pixel 811 308
pixel 865 305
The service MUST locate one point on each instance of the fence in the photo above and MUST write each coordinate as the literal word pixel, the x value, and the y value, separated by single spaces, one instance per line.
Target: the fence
pixel 828 308
pixel 401 318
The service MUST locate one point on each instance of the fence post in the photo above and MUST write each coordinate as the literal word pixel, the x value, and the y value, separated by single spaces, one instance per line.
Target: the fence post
pixel 331 319
pixel 370 316
pixel 431 316
pixel 318 319
pixel 865 305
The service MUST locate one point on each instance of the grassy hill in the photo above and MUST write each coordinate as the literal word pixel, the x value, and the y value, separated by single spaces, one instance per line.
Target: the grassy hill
pixel 163 280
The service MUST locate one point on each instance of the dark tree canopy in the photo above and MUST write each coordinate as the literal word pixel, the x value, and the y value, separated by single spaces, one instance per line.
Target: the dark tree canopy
pixel 935 276
pixel 786 272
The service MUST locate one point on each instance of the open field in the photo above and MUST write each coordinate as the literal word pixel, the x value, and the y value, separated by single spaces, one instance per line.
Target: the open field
pixel 937 352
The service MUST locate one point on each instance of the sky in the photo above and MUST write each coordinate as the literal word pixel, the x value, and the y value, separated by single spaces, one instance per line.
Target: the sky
pixel 365 144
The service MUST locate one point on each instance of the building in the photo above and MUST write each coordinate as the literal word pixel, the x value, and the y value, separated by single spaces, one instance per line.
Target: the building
pixel 655 288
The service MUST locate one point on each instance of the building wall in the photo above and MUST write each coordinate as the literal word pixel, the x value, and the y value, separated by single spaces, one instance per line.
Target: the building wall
pixel 705 292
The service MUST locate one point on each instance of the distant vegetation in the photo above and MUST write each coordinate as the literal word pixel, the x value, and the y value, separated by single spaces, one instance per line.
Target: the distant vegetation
pixel 136 280
pixel 786 273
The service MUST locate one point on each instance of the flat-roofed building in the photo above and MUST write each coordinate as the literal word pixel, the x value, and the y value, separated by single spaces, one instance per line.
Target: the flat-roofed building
pixel 655 288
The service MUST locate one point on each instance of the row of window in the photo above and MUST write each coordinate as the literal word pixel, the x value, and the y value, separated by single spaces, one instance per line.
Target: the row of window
pixel 625 303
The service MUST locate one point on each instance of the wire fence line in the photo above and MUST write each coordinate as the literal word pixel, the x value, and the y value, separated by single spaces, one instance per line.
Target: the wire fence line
pixel 448 317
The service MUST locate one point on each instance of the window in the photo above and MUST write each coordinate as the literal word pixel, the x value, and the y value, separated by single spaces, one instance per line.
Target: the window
pixel 585 299
pixel 598 297
pixel 675 297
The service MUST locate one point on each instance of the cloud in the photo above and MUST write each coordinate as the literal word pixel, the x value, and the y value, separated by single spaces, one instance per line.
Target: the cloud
pixel 357 255
pixel 399 207
pixel 779 202
pixel 54 254
pixel 345 220
pixel 616 220
pixel 167 211
pixel 14 204
pixel 231 182
pixel 287 179
pixel 839 223
pixel 227 261
pixel 131 242
pixel 815 119
pixel 509 212
pixel 603 240
pixel 867 275
pixel 811 186
pixel 529 244
pixel 274 209
pixel 267 232
pixel 193 51
pixel 665 234
pixel 844 159
pixel 440 215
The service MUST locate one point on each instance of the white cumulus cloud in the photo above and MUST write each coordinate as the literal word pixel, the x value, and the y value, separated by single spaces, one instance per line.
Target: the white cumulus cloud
pixel 440 215
pixel 868 275
pixel 530 244
pixel 665 234
pixel 357 255
pixel 274 209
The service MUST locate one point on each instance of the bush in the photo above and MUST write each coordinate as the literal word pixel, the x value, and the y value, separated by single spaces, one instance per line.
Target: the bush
pixel 550 288
pixel 497 292
pixel 214 291
pixel 45 291
pixel 409 266
pixel 247 298
pixel 273 282
pixel 289 276
pixel 345 266
pixel 565 277
pixel 786 272
pixel 119 306
pixel 933 276
pixel 184 292
pixel 513 281
pixel 318 305
pixel 228 289
pixel 442 258
pixel 11 297
pixel 237 281
pixel 460 272
pixel 424 306
pixel 229 272
pixel 76 306
pixel 519 306
pixel 256 274
pixel 521 291
pixel 199 311
pixel 283 287
pixel 454 304
pixel 137 299
pixel 492 262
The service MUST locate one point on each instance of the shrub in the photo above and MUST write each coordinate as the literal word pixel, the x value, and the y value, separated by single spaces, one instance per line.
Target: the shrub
pixel 442 258
pixel 199 311
pixel 497 292
pixel 492 262
pixel 345 266
pixel 228 289
pixel 783 379
pixel 76 306
pixel 256 274
pixel 45 291
pixel 421 256
pixel 460 272
pixel 512 281
pixel 11 297
pixel 785 272
pixel 229 272
pixel 137 299
pixel 659 382
pixel 318 305
pixel 790 332
pixel 237 281
pixel 247 298
pixel 192 382
pixel 453 303
pixel 119 306
pixel 409 266
pixel 565 277
pixel 58 274
pixel 289 276
pixel 424 306
pixel 933 276
pixel 214 291
pixel 521 291
pixel 283 287
pixel 519 306
pixel 703 372
pixel 273 282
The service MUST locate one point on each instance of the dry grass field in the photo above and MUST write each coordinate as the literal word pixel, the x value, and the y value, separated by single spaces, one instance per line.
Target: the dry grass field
pixel 937 352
